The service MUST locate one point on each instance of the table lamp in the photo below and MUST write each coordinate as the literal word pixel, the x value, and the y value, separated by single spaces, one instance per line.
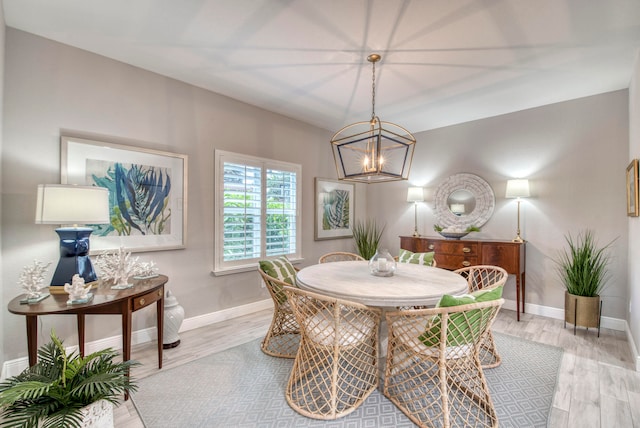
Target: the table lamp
pixel 517 189
pixel 72 205
pixel 415 195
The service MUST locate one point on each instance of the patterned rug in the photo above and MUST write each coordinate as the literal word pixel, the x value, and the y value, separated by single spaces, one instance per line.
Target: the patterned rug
pixel 242 387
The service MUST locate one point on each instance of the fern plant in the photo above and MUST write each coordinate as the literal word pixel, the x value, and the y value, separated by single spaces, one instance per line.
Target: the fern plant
pixel 55 389
pixel 367 235
pixel 583 266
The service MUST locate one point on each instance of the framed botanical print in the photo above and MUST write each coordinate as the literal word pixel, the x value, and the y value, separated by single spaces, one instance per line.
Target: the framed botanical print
pixel 632 189
pixel 147 193
pixel 334 209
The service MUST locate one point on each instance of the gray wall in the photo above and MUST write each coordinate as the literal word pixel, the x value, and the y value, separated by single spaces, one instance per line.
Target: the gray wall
pixel 52 88
pixel 634 223
pixel 574 154
pixel 2 37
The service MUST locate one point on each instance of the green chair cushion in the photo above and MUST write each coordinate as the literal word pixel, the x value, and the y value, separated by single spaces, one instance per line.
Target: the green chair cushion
pixel 407 256
pixel 460 329
pixel 279 268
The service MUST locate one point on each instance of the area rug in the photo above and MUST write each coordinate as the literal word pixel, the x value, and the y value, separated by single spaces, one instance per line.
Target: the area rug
pixel 242 387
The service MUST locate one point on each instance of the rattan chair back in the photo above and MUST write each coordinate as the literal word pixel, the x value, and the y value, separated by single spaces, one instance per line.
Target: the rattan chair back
pixel 433 373
pixel 336 367
pixel 283 337
pixel 478 278
pixel 339 256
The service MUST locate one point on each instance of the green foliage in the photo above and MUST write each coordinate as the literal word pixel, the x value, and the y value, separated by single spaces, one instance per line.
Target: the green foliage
pixel 583 266
pixel 367 235
pixel 471 228
pixel 55 389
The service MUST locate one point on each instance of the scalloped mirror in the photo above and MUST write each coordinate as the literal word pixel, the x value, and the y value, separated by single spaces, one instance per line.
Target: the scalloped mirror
pixel 464 200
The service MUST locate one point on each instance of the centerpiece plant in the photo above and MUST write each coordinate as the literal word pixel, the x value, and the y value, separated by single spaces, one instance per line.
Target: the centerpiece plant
pixel 55 390
pixel 367 235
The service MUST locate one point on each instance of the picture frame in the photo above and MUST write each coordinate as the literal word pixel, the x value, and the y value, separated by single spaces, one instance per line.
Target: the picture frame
pixel 159 181
pixel 334 209
pixel 632 189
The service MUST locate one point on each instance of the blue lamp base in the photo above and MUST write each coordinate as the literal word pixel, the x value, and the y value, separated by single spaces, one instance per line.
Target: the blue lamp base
pixel 74 255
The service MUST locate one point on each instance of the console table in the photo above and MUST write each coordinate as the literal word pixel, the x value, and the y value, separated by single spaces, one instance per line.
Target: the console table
pixel 105 301
pixel 458 253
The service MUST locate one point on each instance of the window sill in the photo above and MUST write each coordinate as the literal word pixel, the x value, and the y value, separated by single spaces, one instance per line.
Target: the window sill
pixel 246 268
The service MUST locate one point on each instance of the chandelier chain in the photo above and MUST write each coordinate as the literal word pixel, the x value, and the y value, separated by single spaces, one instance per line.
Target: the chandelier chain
pixel 373 92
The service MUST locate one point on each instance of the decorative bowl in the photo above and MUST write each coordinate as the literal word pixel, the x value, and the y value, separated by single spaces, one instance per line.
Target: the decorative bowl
pixel 453 235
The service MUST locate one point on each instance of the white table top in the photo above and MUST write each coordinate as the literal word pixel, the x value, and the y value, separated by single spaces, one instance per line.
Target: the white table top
pixel 411 285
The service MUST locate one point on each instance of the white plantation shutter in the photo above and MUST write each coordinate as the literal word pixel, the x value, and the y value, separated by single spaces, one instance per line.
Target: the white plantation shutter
pixel 257 210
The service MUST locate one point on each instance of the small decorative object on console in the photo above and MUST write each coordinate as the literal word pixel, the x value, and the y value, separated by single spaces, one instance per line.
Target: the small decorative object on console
pixel 78 291
pixel 382 263
pixel 455 232
pixel 118 267
pixel 146 270
pixel 31 280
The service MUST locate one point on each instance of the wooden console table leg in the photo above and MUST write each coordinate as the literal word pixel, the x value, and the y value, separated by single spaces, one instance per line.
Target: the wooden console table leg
pixel 518 297
pixel 126 336
pixel 32 339
pixel 523 290
pixel 80 320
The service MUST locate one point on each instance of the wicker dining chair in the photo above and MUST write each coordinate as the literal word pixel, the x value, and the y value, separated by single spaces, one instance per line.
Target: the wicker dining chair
pixel 283 337
pixel 339 256
pixel 433 373
pixel 479 278
pixel 336 367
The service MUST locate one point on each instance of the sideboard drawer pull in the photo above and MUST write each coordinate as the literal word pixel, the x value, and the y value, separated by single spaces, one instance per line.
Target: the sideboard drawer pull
pixel 142 301
pixel 466 250
pixel 466 263
pixel 431 246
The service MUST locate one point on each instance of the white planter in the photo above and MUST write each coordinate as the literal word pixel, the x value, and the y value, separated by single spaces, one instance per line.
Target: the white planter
pixel 97 415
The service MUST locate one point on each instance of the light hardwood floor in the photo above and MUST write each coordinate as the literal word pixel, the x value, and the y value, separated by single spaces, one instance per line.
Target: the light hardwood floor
pixel 597 385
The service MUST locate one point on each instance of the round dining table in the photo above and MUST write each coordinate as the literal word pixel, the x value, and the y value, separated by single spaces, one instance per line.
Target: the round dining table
pixel 411 284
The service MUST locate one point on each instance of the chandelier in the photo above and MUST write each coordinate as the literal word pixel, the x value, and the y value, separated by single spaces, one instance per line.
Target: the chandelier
pixel 373 151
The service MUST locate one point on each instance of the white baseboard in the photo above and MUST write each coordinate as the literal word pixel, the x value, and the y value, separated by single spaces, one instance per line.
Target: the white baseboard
pixel 556 313
pixel 15 367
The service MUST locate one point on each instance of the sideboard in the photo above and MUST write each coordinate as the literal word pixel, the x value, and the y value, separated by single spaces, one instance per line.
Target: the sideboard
pixel 458 253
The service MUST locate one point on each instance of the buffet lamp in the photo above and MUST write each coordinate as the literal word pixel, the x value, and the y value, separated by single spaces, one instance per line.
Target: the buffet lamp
pixel 517 189
pixel 72 205
pixel 415 195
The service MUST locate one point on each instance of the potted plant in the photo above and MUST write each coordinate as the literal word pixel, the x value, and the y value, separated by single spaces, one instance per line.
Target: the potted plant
pixel 367 235
pixel 583 268
pixel 60 388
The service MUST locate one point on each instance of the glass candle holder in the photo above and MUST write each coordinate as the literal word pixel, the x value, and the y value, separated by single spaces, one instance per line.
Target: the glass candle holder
pixel 382 263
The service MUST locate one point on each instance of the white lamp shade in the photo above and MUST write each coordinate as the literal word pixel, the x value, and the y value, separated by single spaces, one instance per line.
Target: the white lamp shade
pixel 517 188
pixel 72 204
pixel 415 194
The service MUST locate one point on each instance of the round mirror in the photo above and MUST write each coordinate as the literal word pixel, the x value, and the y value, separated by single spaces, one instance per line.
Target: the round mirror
pixel 461 202
pixel 464 200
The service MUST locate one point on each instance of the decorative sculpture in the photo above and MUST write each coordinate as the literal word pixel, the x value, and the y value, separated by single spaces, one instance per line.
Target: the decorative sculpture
pixel 118 267
pixel 78 291
pixel 146 270
pixel 31 280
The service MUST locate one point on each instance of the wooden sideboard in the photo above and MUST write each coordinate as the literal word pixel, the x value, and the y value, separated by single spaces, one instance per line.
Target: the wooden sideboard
pixel 458 253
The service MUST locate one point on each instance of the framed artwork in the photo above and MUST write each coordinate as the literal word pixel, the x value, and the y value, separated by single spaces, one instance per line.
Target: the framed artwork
pixel 334 209
pixel 632 189
pixel 147 193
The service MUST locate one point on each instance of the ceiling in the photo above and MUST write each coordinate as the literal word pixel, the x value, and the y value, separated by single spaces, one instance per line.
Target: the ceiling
pixel 443 62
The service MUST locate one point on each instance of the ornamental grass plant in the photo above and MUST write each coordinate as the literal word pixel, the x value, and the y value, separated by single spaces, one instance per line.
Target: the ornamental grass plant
pixel 59 385
pixel 367 235
pixel 583 266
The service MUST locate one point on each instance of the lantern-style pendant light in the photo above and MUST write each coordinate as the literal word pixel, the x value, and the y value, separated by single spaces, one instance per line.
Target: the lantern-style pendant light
pixel 373 151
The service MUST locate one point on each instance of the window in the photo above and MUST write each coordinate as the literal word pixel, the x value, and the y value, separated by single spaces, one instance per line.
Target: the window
pixel 257 210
